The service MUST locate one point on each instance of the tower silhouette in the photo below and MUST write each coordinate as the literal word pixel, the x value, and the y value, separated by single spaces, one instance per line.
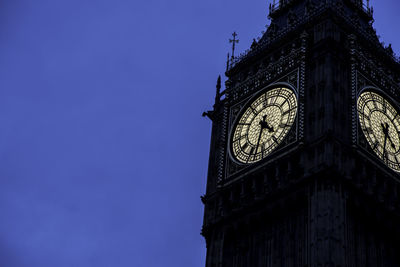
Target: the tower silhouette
pixel 305 145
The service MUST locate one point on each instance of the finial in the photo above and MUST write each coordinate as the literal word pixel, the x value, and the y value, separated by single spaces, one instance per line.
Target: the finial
pixel 218 93
pixel 390 49
pixel 234 41
pixel 254 44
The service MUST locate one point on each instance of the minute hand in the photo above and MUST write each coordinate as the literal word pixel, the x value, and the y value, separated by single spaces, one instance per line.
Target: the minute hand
pixel 261 130
pixel 259 137
pixel 390 139
pixel 385 132
pixel 264 124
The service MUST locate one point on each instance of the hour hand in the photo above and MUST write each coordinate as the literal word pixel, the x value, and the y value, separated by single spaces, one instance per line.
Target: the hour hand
pixel 385 128
pixel 270 129
pixel 265 124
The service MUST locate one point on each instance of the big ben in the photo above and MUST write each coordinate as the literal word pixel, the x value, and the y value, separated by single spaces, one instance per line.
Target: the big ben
pixel 304 166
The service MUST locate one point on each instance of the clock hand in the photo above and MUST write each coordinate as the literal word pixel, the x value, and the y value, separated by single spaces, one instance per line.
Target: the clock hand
pixel 265 124
pixel 259 137
pixel 385 131
pixel 262 124
pixel 384 147
pixel 270 129
pixel 392 144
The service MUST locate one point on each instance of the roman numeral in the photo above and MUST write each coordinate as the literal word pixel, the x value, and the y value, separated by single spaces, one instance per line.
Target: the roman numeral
pixel 375 145
pixel 283 125
pixel 369 130
pixel 251 150
pixel 283 103
pixel 239 138
pixel 254 111
pixel 276 97
pixel 397 114
pixel 385 156
pixel 245 146
pixel 262 147
pixel 265 102
pixel 287 111
pixel 375 105
pixel 363 116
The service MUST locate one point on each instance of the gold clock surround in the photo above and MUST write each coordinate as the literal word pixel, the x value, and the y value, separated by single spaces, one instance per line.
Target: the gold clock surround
pixel 380 124
pixel 263 124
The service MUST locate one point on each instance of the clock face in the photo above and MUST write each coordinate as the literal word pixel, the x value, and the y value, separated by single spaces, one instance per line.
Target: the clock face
pixel 263 125
pixel 380 123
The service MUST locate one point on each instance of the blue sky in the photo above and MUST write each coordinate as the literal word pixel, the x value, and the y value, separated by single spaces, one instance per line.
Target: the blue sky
pixel 103 150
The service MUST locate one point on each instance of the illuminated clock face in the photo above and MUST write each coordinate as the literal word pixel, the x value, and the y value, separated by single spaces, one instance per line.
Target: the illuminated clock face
pixel 380 123
pixel 263 125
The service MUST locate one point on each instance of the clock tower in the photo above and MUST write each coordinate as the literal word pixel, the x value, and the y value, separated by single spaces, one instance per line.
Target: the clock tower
pixel 304 166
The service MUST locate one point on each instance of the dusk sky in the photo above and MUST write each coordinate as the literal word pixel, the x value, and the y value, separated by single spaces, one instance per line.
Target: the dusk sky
pixel 103 150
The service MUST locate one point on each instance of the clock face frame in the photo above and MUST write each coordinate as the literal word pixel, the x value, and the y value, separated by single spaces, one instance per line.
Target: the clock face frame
pixel 380 124
pixel 263 124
